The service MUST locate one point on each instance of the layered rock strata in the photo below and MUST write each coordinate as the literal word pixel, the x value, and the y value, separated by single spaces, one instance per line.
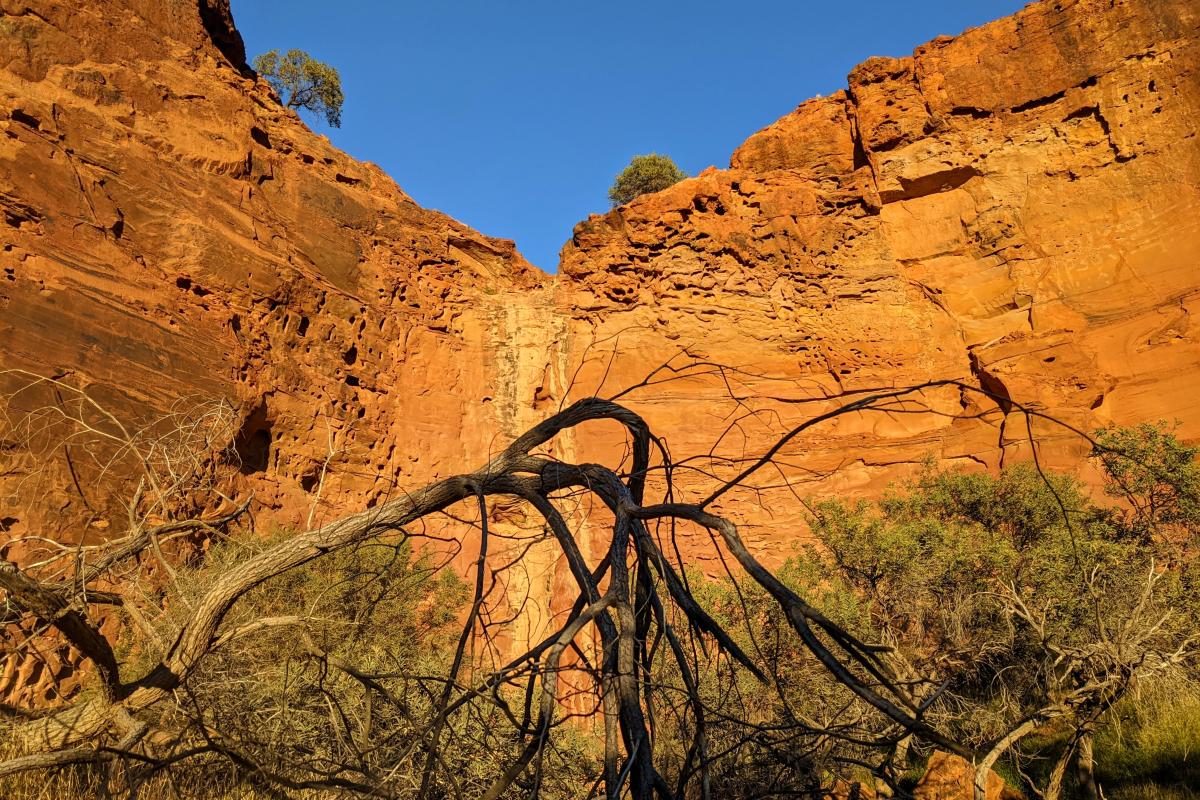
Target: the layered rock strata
pixel 1016 208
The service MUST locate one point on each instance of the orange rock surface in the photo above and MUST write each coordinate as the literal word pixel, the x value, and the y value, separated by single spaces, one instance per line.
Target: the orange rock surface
pixel 169 234
pixel 951 777
pixel 172 232
pixel 1017 208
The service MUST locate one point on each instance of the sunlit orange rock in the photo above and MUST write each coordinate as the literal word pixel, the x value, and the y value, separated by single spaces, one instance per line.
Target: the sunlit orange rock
pixel 1016 208
pixel 951 777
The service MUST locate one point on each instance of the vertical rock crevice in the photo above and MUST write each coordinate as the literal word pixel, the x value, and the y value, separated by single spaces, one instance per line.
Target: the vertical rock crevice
pixel 217 19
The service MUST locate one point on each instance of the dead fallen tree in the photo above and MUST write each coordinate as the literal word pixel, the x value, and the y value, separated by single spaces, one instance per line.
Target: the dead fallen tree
pixel 635 603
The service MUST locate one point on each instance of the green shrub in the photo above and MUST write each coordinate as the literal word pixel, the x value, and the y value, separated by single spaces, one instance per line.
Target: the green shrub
pixel 304 82
pixel 1155 739
pixel 351 675
pixel 933 570
pixel 645 174
pixel 1157 476
pixel 1150 791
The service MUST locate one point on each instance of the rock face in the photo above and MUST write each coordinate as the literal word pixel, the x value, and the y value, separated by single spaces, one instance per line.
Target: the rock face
pixel 1017 208
pixel 951 777
pixel 172 232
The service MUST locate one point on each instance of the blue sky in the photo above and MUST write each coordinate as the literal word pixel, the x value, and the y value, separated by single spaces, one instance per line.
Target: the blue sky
pixel 514 117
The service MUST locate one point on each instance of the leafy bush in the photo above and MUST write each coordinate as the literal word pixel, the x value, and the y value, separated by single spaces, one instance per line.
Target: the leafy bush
pixel 346 673
pixel 939 570
pixel 1156 476
pixel 996 597
pixel 357 682
pixel 645 174
pixel 1154 739
pixel 303 82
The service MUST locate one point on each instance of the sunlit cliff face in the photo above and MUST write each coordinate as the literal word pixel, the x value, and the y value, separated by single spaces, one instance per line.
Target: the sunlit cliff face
pixel 1016 208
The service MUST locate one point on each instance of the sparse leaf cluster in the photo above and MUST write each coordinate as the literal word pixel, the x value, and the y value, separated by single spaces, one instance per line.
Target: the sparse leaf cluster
pixel 645 174
pixel 303 82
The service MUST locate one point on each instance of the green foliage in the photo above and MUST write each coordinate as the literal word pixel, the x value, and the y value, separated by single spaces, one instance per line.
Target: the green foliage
pixel 760 737
pixel 933 570
pixel 349 671
pixel 645 174
pixel 1154 738
pixel 1156 475
pixel 1151 791
pixel 303 82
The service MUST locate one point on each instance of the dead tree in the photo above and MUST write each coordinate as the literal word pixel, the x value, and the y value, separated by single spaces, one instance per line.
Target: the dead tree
pixel 1081 678
pixel 634 601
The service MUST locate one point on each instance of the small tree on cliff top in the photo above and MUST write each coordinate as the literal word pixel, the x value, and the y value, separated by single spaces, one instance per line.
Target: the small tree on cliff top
pixel 304 82
pixel 645 174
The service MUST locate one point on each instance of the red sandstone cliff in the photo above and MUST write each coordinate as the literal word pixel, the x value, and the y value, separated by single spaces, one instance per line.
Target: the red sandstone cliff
pixel 1017 207
pixel 171 231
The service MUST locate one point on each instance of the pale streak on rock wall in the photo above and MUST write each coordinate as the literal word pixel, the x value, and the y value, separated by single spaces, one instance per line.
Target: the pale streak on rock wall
pixel 528 342
pixel 1016 207
pixel 171 231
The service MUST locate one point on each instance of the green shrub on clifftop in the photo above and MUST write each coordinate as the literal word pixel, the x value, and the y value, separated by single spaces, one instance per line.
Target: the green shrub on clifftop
pixel 645 174
pixel 304 82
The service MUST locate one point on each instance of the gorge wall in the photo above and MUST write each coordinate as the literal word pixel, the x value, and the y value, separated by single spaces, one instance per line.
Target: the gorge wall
pixel 1017 208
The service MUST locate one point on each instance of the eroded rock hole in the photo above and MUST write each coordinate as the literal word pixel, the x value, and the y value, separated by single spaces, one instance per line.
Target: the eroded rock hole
pixel 255 452
pixel 1038 102
pixel 253 442
pixel 970 111
pixel 187 285
pixel 28 120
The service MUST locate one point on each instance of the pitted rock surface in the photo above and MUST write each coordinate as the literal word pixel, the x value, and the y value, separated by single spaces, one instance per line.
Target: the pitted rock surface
pixel 1016 208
